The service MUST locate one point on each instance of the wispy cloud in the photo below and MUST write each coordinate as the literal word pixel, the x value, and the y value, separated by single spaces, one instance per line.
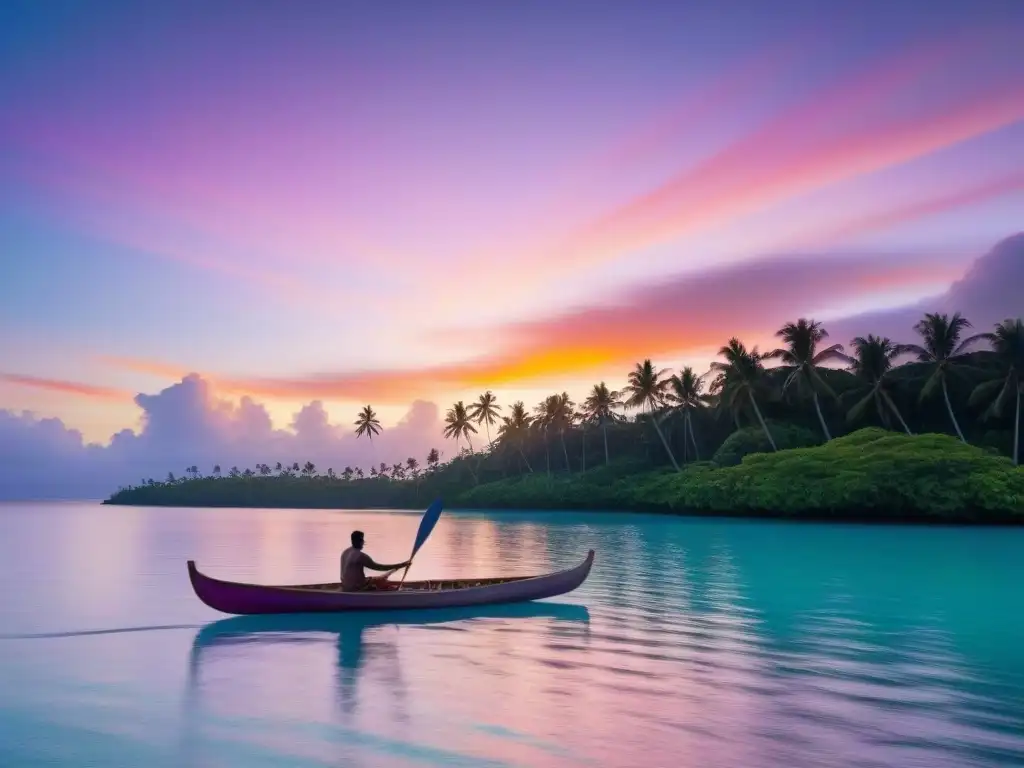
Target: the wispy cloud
pixel 913 210
pixel 690 313
pixel 852 129
pixel 67 387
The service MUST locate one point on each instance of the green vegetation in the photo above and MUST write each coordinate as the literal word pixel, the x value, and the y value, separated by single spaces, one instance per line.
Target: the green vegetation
pixel 934 439
pixel 871 474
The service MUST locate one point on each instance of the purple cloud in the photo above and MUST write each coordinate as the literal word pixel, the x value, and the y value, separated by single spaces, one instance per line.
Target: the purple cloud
pixel 988 293
pixel 186 424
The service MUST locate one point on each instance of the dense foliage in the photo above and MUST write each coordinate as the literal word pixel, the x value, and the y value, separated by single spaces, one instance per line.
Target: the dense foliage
pixel 871 474
pixel 697 448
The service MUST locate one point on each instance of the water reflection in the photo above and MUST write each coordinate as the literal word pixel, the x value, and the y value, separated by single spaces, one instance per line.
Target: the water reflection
pixel 356 641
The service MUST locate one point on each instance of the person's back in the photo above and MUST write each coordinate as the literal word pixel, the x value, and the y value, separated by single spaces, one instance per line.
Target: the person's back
pixel 353 577
pixel 354 560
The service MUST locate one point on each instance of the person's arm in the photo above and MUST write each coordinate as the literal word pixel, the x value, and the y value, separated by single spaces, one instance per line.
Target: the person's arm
pixel 369 562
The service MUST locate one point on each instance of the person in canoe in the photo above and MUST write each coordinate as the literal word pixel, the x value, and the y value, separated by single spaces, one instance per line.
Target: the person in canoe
pixel 354 560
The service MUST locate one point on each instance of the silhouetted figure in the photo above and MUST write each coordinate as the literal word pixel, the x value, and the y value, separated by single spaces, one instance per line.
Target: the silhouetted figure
pixel 354 560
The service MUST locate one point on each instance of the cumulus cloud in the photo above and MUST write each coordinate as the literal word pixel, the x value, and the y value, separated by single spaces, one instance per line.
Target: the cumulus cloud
pixel 187 424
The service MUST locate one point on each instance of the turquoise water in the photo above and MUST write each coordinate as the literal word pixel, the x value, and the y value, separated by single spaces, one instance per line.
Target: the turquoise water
pixel 693 643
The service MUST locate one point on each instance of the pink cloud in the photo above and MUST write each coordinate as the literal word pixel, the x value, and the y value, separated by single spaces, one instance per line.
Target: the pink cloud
pixel 67 387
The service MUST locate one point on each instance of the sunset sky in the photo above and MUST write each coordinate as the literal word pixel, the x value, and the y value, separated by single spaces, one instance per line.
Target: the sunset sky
pixel 380 203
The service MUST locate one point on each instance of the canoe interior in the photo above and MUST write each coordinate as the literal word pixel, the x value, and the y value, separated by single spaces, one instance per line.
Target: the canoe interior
pixel 433 585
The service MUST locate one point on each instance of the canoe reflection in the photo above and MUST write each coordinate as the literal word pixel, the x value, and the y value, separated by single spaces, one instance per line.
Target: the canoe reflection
pixel 347 631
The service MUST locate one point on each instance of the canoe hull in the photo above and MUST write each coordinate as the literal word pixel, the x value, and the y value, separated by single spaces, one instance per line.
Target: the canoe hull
pixel 249 599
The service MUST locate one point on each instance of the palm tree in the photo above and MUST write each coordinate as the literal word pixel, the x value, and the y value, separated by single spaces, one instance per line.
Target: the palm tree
pixel 309 469
pixel 802 355
pixel 458 424
pixel 1007 342
pixel 485 411
pixel 359 473
pixel 740 377
pixel 216 470
pixel 645 388
pixel 248 473
pixel 599 408
pixel 543 419
pixel 563 417
pixel 872 362
pixel 515 427
pixel 367 424
pixel 412 465
pixel 941 349
pixel 234 472
pixel 278 467
pixel 685 394
pixel 347 473
pixel 433 459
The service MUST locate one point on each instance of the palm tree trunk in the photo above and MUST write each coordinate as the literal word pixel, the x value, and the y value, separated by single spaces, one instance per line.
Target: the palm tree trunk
pixel 896 410
pixel 604 429
pixel 584 451
pixel 949 407
pixel 760 418
pixel 821 418
pixel 520 447
pixel 469 463
pixel 547 451
pixel 565 451
pixel 1016 433
pixel 693 437
pixel 665 443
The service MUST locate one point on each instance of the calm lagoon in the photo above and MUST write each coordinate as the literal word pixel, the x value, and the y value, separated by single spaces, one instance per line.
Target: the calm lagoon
pixel 694 643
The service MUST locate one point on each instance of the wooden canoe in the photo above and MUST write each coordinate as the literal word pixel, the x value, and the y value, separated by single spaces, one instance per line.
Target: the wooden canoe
pixel 246 599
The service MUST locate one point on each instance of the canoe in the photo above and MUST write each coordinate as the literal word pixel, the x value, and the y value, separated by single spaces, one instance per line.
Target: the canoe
pixel 247 599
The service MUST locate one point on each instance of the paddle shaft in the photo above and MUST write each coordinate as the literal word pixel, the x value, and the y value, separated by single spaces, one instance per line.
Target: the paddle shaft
pixel 405 574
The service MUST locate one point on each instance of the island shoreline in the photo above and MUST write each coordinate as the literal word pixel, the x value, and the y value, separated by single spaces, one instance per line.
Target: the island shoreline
pixel 869 477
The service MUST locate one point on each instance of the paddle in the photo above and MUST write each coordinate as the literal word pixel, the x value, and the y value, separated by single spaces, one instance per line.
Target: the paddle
pixel 427 524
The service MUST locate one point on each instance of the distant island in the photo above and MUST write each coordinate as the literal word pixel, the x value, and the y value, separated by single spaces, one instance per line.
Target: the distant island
pixel 936 439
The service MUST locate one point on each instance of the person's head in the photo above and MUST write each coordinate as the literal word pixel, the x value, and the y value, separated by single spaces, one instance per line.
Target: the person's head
pixel 357 539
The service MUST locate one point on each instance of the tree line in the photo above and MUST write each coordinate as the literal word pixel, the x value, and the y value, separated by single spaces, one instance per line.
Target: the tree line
pixel 965 385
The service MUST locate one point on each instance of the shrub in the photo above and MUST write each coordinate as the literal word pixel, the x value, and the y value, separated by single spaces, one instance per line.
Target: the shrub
pixel 748 440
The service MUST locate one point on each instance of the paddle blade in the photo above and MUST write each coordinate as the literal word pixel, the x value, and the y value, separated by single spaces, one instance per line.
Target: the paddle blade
pixel 426 525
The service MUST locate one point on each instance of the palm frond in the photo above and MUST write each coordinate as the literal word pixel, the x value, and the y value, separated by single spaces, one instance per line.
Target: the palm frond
pixel 932 383
pixel 968 342
pixel 835 352
pixel 856 412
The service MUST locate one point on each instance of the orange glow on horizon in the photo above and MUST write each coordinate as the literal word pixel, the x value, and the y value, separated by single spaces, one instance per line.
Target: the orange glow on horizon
pixel 600 340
